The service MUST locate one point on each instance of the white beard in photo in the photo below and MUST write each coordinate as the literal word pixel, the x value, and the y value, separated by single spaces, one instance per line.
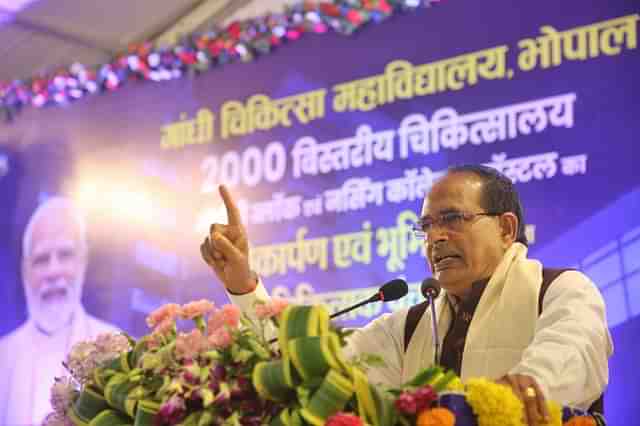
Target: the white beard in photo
pixel 53 305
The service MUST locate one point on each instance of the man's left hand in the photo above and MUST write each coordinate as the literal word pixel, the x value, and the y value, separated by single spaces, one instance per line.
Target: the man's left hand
pixel 527 389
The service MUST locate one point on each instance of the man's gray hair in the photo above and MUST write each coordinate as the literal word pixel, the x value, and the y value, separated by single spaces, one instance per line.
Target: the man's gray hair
pixel 55 203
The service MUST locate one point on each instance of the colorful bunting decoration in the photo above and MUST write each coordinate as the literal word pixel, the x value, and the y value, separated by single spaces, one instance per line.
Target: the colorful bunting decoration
pixel 243 41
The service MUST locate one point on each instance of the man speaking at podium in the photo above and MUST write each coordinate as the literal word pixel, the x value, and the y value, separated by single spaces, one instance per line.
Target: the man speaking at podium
pixel 542 332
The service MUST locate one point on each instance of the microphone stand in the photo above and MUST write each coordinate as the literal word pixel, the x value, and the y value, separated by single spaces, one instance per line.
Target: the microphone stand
pixel 434 331
pixel 375 298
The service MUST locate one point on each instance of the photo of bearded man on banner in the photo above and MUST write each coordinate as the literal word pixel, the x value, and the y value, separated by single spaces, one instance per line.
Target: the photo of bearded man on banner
pixel 54 262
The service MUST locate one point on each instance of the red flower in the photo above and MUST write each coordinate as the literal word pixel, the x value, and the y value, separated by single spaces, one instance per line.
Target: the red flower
pixel 424 397
pixel 384 6
pixel 344 419
pixel 354 17
pixel 406 403
pixel 234 30
pixel 329 9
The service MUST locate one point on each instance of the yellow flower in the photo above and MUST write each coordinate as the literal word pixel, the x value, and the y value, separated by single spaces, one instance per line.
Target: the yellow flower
pixel 555 414
pixel 494 404
pixel 436 417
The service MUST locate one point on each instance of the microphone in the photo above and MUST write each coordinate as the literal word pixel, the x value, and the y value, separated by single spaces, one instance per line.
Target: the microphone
pixel 430 289
pixel 390 291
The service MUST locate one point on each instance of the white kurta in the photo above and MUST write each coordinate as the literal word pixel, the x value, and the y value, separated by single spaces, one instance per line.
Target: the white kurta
pixel 568 356
pixel 30 360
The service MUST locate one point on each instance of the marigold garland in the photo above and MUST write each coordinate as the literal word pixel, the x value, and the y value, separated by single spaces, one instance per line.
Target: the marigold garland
pixel 581 421
pixel 555 414
pixel 494 404
pixel 436 417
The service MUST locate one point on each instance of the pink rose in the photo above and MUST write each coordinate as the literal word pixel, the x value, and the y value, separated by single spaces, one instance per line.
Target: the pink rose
pixel 166 312
pixel 196 309
pixel 229 315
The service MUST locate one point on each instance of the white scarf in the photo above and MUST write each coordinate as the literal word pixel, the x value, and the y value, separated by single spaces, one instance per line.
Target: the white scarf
pixel 502 326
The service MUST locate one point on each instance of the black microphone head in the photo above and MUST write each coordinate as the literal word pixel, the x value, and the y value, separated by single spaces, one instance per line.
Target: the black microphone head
pixel 430 288
pixel 393 290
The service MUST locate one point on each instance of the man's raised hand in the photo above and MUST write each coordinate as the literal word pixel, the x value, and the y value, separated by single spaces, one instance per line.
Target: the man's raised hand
pixel 226 249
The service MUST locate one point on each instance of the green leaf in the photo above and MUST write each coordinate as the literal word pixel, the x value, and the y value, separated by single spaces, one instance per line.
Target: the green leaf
pixel 151 361
pixel 259 350
pixel 366 361
pixel 242 355
pixel 233 420
pixel 212 355
pixel 191 420
pixel 206 419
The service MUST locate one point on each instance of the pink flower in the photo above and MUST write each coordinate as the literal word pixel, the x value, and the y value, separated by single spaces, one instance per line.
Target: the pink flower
pixel 172 411
pixel 190 345
pixel 166 312
pixel 344 419
pixel 272 308
pixel 229 315
pixel 221 338
pixel 196 309
pixel 165 327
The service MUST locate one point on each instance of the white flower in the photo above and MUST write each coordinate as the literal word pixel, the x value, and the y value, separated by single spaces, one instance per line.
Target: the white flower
pixel 56 419
pixel 82 360
pixel 63 393
pixel 88 355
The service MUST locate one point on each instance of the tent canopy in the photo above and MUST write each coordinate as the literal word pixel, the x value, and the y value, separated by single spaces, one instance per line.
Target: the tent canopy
pixel 38 36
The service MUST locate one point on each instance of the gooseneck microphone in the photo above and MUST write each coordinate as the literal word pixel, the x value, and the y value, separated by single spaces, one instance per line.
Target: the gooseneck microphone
pixel 393 290
pixel 390 291
pixel 430 289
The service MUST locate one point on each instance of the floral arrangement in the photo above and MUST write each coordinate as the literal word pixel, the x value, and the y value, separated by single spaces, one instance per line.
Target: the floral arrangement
pixel 226 371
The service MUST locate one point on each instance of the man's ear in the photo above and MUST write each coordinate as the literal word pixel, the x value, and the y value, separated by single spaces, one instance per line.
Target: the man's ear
pixel 509 228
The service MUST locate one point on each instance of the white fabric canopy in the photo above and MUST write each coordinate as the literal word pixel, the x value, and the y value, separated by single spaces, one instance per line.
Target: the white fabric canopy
pixel 38 36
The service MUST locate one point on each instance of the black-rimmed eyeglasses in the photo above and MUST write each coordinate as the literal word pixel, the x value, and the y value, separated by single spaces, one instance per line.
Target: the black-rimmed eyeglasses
pixel 452 221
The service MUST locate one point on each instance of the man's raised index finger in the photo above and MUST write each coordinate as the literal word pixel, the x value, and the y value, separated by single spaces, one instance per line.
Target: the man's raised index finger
pixel 233 214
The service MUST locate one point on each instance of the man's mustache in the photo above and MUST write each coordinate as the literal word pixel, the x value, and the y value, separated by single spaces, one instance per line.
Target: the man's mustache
pixel 54 291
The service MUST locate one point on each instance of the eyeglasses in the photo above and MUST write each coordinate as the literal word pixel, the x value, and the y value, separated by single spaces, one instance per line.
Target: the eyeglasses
pixel 451 221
